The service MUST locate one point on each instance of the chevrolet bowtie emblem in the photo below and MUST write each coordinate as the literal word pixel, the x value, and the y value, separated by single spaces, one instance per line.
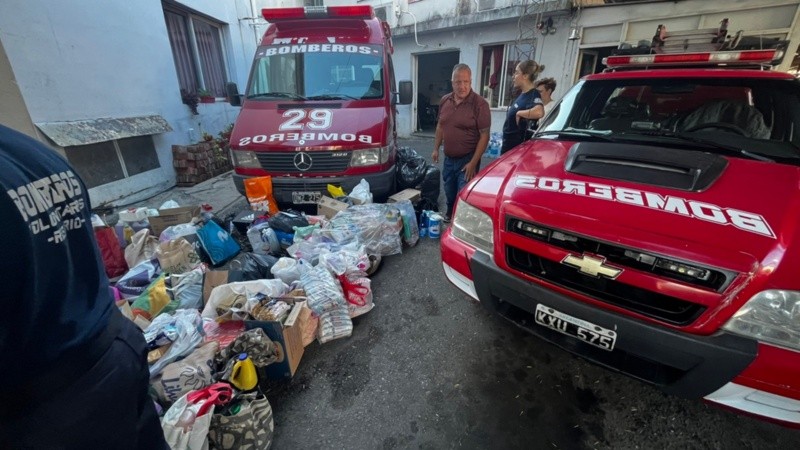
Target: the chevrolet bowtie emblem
pixel 592 266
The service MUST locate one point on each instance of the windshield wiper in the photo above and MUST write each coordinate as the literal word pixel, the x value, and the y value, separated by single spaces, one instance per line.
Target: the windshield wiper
pixel 577 132
pixel 730 149
pixel 333 97
pixel 291 95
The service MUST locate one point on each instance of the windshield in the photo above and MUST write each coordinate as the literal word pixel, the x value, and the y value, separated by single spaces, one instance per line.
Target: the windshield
pixel 317 72
pixel 757 116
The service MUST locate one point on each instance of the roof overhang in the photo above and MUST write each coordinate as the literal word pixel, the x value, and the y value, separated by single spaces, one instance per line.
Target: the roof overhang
pixel 84 132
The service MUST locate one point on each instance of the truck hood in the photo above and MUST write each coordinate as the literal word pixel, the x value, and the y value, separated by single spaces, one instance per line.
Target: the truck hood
pixel 289 126
pixel 734 218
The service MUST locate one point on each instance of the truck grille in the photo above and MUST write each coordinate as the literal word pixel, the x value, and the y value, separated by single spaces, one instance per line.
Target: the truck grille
pixel 620 256
pixel 321 162
pixel 651 304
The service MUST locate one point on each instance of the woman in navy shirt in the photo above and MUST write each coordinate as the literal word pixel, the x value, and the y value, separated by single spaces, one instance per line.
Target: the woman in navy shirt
pixel 526 108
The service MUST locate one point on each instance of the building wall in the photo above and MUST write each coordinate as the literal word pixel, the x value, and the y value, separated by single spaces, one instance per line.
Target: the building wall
pixel 112 59
pixel 458 25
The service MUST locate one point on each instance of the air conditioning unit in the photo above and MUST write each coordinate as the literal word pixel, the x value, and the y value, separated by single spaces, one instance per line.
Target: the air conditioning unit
pixel 485 5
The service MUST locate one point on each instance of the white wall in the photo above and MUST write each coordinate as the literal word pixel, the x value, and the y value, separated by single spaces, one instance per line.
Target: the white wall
pixel 112 58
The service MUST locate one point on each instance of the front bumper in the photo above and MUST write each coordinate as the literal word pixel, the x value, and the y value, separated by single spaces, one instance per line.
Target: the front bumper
pixel 381 184
pixel 680 364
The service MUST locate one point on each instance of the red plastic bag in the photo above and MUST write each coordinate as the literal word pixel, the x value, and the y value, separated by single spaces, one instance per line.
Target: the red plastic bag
pixel 113 256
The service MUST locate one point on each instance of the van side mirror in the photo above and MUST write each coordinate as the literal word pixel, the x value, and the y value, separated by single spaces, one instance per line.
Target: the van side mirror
pixel 406 92
pixel 232 90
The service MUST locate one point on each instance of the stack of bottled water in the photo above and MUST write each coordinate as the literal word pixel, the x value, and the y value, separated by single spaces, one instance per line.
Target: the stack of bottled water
pixel 495 143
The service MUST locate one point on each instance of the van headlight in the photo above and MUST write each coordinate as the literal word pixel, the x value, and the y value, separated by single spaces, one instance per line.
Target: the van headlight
pixel 369 157
pixel 770 316
pixel 474 227
pixel 245 158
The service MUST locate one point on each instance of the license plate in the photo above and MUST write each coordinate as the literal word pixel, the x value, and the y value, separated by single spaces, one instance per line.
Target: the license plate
pixel 577 328
pixel 305 197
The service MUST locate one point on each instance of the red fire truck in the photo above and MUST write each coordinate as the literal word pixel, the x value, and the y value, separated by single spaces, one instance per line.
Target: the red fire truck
pixel 651 226
pixel 319 107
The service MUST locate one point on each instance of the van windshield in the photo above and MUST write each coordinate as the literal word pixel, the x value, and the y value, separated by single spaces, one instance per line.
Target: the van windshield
pixel 317 72
pixel 757 115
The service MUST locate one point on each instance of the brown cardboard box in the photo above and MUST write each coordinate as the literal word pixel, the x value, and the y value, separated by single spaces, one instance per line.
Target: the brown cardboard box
pixel 212 279
pixel 289 339
pixel 328 207
pixel 173 216
pixel 406 194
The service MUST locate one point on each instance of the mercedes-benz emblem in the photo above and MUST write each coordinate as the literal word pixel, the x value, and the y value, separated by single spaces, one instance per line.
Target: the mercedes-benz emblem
pixel 302 161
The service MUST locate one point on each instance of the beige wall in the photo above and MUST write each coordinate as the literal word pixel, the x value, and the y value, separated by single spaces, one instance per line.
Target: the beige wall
pixel 13 112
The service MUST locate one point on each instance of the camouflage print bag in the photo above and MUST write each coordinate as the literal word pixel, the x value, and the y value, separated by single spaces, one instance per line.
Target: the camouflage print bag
pixel 245 423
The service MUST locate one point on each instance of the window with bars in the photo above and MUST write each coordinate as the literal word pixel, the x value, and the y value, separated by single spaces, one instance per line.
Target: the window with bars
pixel 498 62
pixel 197 51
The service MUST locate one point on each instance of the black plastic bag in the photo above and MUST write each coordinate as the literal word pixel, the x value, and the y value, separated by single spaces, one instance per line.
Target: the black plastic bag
pixel 286 221
pixel 250 266
pixel 430 184
pixel 411 168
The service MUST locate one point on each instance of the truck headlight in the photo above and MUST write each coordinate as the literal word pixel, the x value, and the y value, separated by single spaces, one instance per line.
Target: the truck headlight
pixel 770 316
pixel 244 158
pixel 369 157
pixel 474 227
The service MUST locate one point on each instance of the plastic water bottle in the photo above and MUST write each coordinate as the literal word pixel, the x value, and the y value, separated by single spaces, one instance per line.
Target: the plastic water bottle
pixel 244 376
pixel 434 226
pixel 423 223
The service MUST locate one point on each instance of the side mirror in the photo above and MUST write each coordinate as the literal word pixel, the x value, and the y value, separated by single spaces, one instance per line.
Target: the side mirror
pixel 234 98
pixel 406 92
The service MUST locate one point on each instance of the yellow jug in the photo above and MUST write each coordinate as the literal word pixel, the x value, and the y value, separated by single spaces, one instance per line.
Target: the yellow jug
pixel 244 375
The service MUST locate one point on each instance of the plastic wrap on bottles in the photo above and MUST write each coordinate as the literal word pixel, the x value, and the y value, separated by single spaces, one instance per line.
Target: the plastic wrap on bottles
pixel 410 228
pixel 289 270
pixel 323 292
pixel 334 324
pixel 345 261
pixel 377 226
pixel 184 329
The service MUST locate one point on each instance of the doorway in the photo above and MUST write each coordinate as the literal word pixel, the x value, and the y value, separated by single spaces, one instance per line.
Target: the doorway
pixel 433 75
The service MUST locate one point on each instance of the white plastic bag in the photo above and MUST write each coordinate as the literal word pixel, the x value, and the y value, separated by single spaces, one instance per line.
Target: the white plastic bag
pixel 184 328
pixel 334 325
pixel 361 194
pixel 234 301
pixel 323 292
pixel 187 288
pixel 169 204
pixel 289 270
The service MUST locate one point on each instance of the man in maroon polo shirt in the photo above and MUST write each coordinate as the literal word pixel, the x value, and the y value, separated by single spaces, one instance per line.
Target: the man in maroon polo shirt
pixel 463 127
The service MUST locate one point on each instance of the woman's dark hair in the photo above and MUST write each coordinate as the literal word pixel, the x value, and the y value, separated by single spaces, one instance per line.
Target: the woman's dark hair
pixel 531 69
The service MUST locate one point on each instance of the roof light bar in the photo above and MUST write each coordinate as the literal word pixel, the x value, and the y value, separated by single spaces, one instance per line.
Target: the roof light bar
pixel 318 12
pixel 732 58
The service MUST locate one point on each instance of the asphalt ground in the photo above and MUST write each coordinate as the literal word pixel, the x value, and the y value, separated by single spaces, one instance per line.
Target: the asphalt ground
pixel 429 368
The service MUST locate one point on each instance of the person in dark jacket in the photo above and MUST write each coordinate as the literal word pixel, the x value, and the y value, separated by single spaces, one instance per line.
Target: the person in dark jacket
pixel 74 370
pixel 527 108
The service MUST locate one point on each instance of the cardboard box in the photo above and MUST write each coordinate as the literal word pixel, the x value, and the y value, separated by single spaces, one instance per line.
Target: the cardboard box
pixel 173 216
pixel 328 207
pixel 212 279
pixel 406 194
pixel 288 337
